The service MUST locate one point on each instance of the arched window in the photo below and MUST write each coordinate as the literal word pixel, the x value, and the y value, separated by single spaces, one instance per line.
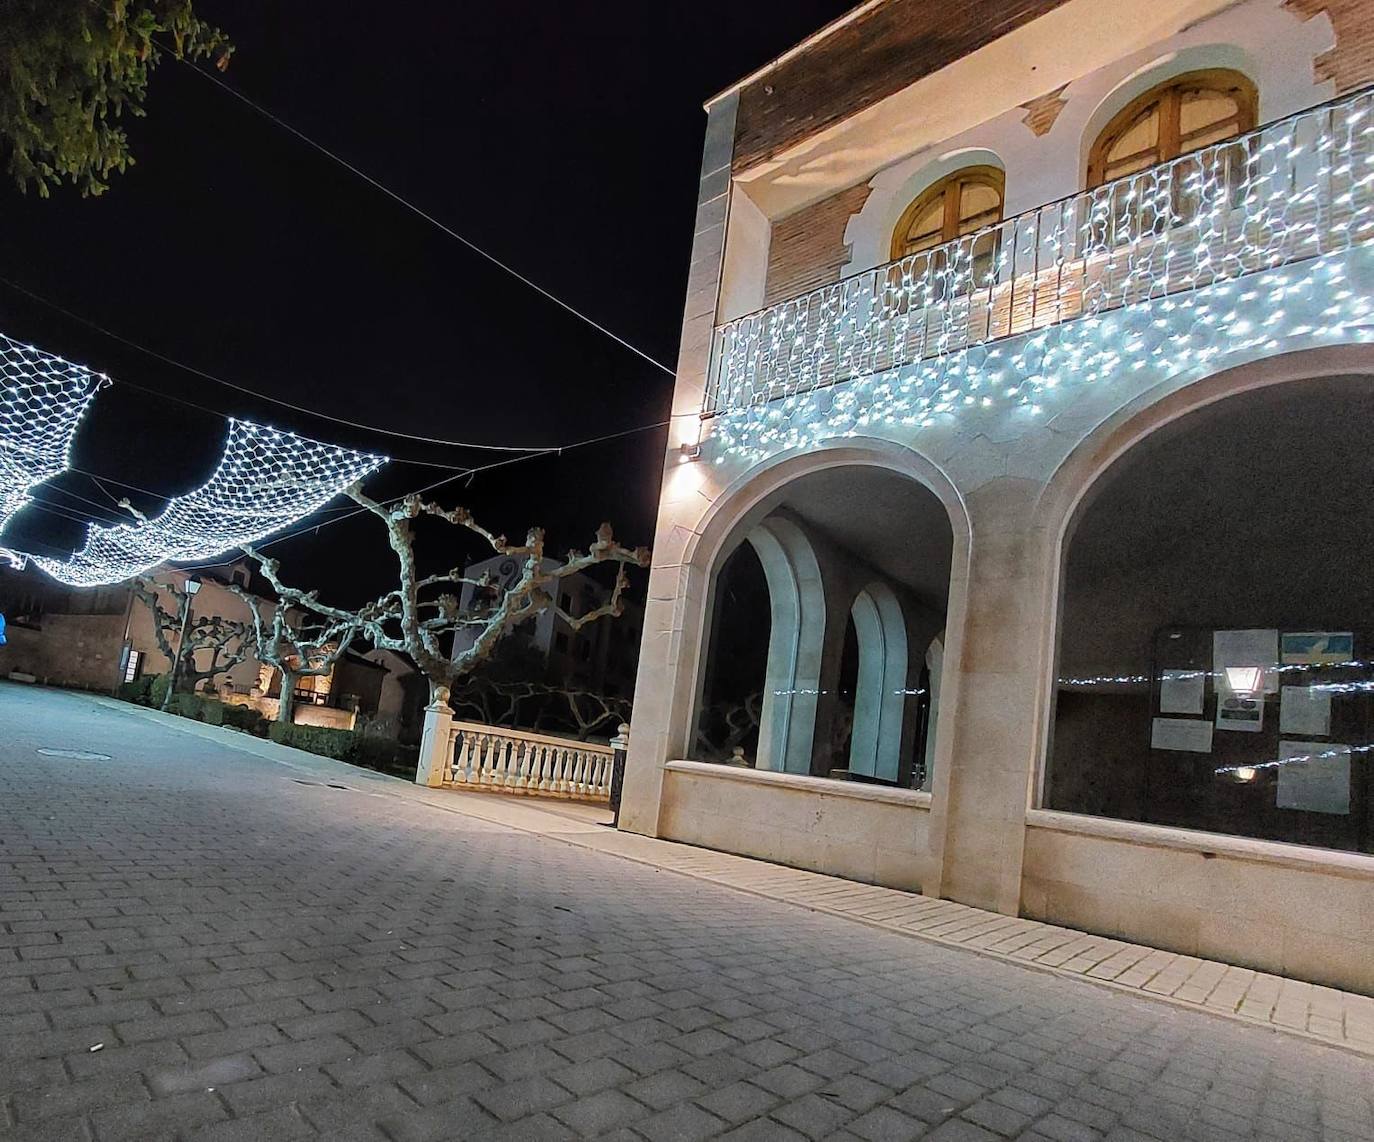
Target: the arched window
pixel 958 204
pixel 1185 114
pixel 1192 650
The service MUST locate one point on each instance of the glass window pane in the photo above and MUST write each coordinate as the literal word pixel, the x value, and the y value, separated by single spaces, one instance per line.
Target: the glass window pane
pixel 927 230
pixel 1200 109
pixel 1142 135
pixel 1129 166
pixel 1204 684
pixel 1208 136
pixel 978 199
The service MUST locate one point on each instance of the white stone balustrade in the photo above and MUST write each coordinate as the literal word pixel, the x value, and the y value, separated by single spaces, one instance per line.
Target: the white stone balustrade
pixel 1296 189
pixel 499 760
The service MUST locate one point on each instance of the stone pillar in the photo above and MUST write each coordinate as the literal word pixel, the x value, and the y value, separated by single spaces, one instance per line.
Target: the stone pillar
pixel 668 655
pixel 436 739
pixel 981 800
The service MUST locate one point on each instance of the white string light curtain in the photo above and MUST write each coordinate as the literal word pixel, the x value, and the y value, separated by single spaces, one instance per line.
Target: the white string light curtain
pixel 42 400
pixel 265 481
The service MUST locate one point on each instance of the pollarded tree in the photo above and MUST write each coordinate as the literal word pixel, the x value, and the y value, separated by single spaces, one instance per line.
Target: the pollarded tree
pixel 420 616
pixel 227 641
pixel 73 68
pixel 297 645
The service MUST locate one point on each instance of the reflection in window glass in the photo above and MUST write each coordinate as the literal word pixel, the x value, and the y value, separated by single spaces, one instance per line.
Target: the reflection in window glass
pixel 1216 658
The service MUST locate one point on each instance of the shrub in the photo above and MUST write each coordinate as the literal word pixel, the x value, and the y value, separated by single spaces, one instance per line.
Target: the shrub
pixel 157 690
pixel 383 755
pixel 314 739
pixel 139 689
pixel 247 719
pixel 187 706
pixel 211 711
pixel 346 745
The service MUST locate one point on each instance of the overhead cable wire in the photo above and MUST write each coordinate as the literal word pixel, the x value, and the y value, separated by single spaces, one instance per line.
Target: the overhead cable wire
pixel 195 371
pixel 397 198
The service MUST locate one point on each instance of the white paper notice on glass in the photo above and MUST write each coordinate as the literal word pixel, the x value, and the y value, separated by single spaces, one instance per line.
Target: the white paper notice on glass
pixel 1314 777
pixel 1186 734
pixel 1305 710
pixel 1180 692
pixel 1246 648
pixel 1240 712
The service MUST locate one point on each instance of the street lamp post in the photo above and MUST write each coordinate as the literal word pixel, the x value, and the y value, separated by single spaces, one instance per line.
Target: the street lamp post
pixel 191 586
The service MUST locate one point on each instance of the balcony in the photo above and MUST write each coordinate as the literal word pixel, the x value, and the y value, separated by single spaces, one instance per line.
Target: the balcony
pixel 1297 189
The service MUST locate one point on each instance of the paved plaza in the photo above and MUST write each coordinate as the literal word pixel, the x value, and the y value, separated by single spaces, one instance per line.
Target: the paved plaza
pixel 197 942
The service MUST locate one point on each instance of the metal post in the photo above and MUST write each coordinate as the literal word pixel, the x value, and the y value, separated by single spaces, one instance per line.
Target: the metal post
pixel 176 662
pixel 619 744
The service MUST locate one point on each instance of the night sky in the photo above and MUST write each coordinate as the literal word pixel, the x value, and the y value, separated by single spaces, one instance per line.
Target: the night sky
pixel 566 144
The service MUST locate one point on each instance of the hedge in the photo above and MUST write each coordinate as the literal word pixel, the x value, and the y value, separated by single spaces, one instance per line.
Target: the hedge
pixel 139 690
pixel 346 745
pixel 337 744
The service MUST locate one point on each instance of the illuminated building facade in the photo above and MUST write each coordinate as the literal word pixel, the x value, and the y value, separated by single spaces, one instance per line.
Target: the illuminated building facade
pixel 1014 532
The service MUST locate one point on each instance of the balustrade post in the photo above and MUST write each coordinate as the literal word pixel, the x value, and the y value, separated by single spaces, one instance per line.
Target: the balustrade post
pixel 619 745
pixel 436 744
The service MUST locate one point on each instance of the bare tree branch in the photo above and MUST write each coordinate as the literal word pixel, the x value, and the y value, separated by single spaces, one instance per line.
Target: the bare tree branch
pixel 295 647
pixel 413 620
pixel 228 642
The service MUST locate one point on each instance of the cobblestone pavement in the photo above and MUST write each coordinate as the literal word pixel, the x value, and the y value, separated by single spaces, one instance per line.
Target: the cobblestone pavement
pixel 195 944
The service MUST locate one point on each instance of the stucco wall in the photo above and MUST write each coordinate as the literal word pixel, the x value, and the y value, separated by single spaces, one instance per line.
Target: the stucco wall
pixel 70 650
pixel 864 832
pixel 1278 908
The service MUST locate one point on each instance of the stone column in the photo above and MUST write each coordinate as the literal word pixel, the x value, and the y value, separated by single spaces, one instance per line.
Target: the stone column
pixel 667 659
pixel 981 800
pixel 436 739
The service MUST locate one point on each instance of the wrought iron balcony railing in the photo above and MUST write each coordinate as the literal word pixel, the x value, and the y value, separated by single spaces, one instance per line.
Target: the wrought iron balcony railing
pixel 1298 188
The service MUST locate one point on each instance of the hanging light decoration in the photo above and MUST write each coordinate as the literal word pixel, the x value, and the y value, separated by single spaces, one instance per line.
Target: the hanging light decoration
pixel 265 481
pixel 1226 250
pixel 42 400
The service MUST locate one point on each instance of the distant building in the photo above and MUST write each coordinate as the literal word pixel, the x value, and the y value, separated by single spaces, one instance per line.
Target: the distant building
pixel 97 638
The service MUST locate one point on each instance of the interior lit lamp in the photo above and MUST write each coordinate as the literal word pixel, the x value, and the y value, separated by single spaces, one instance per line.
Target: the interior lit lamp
pixel 1244 679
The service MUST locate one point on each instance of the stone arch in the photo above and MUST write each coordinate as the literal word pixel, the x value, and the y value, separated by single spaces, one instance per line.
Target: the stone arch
pixel 1077 477
pixel 880 699
pixel 745 502
pixel 796 633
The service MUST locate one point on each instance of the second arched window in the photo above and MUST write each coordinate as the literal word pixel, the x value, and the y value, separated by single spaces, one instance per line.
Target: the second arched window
pixel 958 204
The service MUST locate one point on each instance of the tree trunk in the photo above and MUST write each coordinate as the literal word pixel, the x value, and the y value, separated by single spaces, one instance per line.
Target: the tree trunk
pixel 286 704
pixel 176 679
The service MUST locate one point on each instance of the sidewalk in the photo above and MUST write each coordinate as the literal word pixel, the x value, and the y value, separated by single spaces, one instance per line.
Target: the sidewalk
pixel 1292 1007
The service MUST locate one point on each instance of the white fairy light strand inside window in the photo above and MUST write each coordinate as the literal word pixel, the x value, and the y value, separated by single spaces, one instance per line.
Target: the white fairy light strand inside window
pixel 265 481
pixel 998 318
pixel 42 400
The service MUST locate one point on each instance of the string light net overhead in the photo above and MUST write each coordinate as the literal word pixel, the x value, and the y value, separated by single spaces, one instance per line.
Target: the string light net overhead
pixel 42 400
pixel 265 481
